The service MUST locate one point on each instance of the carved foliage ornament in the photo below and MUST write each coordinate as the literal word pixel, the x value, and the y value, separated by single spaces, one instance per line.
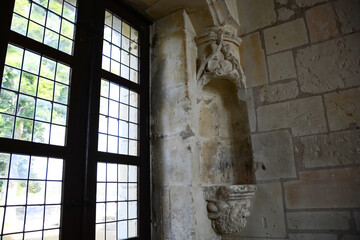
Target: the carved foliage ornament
pixel 228 207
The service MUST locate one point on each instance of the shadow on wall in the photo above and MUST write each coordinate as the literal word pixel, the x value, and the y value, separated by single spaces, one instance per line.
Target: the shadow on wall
pixel 225 135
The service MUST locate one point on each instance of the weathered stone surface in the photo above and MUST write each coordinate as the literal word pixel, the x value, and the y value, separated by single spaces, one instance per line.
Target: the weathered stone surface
pixel 318 220
pixel 321 189
pixel 350 237
pixel 321 22
pixel 255 14
pixel 248 96
pixel 312 236
pixel 278 92
pixel 334 149
pixel 303 116
pixel 273 155
pixel 281 66
pixel 253 60
pixel 267 214
pixel 343 109
pixel 285 13
pixel 308 3
pixel 285 36
pixel 245 238
pixel 357 220
pixel 348 14
pixel 330 65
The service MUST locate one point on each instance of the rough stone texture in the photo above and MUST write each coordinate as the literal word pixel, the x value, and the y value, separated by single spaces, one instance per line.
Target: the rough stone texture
pixel 294 114
pixel 321 22
pixel 255 14
pixel 248 96
pixel 285 13
pixel 357 220
pixel 343 109
pixel 252 54
pixel 311 236
pixel 281 66
pixel 334 149
pixel 351 237
pixel 282 2
pixel 267 214
pixel 348 14
pixel 330 65
pixel 285 36
pixel 321 189
pixel 318 220
pixel 278 92
pixel 308 3
pixel 273 155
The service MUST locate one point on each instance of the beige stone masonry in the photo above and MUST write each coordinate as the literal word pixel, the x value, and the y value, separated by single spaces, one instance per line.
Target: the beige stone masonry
pixel 273 155
pixel 321 22
pixel 278 92
pixel 285 13
pixel 304 116
pixel 330 188
pixel 318 220
pixel 252 54
pixel 348 13
pixel 312 236
pixel 285 36
pixel 357 220
pixel 281 66
pixel 255 14
pixel 329 65
pixel 350 237
pixel 334 149
pixel 267 213
pixel 308 3
pixel 343 109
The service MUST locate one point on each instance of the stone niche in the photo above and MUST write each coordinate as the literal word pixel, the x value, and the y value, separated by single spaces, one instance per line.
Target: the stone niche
pixel 224 131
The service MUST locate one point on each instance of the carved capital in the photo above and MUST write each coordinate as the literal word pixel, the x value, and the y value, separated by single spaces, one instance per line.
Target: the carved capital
pixel 219 57
pixel 228 207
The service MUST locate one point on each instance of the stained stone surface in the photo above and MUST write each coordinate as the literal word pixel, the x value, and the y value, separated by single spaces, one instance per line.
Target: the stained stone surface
pixel 357 220
pixel 348 13
pixel 312 236
pixel 278 92
pixel 350 237
pixel 285 13
pixel 285 36
pixel 281 66
pixel 334 149
pixel 330 65
pixel 343 109
pixel 318 220
pixel 273 155
pixel 294 114
pixel 308 3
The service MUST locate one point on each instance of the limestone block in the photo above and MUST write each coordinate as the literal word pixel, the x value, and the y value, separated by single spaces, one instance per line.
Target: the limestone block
pixel 282 2
pixel 320 189
pixel 248 96
pixel 312 236
pixel 253 60
pixel 308 3
pixel 285 13
pixel 350 237
pixel 161 212
pixel 321 22
pixel 278 92
pixel 170 110
pixel 171 161
pixel 343 109
pixel 281 66
pixel 267 213
pixel 255 14
pixel 182 214
pixel 285 36
pixel 357 220
pixel 318 220
pixel 348 14
pixel 273 155
pixel 161 8
pixel 330 65
pixel 334 149
pixel 304 116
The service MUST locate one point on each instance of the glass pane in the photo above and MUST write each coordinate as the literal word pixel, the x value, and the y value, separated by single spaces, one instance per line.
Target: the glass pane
pixel 113 127
pixel 59 114
pixel 19 24
pixel 47 68
pixel 133 209
pixel 123 172
pixel 123 146
pixel 106 48
pixel 19 166
pixel 38 168
pixel 38 14
pixel 111 231
pixel 53 22
pixel 7 101
pixel 69 12
pixel 122 232
pixel 63 73
pixel 108 18
pixel 132 228
pixel 43 110
pixel 117 24
pixel 6 125
pixel 34 218
pixel 52 216
pixel 132 173
pixel 100 232
pixel 28 83
pixel 65 45
pixel 53 192
pixel 101 172
pixel 124 112
pixel 133 131
pixel 4 163
pixel 57 135
pixel 111 211
pixel 3 189
pixel 102 143
pixel 33 236
pixel 67 29
pixel 116 39
pixel 31 62
pixel 111 172
pixel 36 31
pixel 51 235
pixel 22 7
pixel 103 124
pixel 36 192
pixel 51 38
pixel 100 193
pixel 100 212
pixel 122 210
pixel 111 192
pixel 61 93
pixel 126 30
pixel 17 192
pixel 54 169
pixel 14 56
pixel 132 191
pixel 56 6
pixel 11 78
pixel 23 129
pixel 114 91
pixel 123 190
pixel 41 132
pixel 26 106
pixel 46 89
pixel 14 220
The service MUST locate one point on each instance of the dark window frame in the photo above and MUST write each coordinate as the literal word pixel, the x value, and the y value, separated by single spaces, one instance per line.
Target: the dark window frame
pixel 80 153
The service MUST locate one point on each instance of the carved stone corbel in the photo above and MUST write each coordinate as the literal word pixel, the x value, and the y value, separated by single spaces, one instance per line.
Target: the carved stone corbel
pixel 219 57
pixel 228 207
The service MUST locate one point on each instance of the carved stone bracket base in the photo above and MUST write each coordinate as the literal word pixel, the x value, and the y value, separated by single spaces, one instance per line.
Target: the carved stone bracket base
pixel 228 207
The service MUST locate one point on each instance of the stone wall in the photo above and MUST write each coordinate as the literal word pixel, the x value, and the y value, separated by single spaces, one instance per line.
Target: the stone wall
pixel 301 59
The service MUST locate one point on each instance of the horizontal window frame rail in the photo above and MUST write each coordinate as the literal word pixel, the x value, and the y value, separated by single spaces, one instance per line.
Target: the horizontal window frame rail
pixel 121 81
